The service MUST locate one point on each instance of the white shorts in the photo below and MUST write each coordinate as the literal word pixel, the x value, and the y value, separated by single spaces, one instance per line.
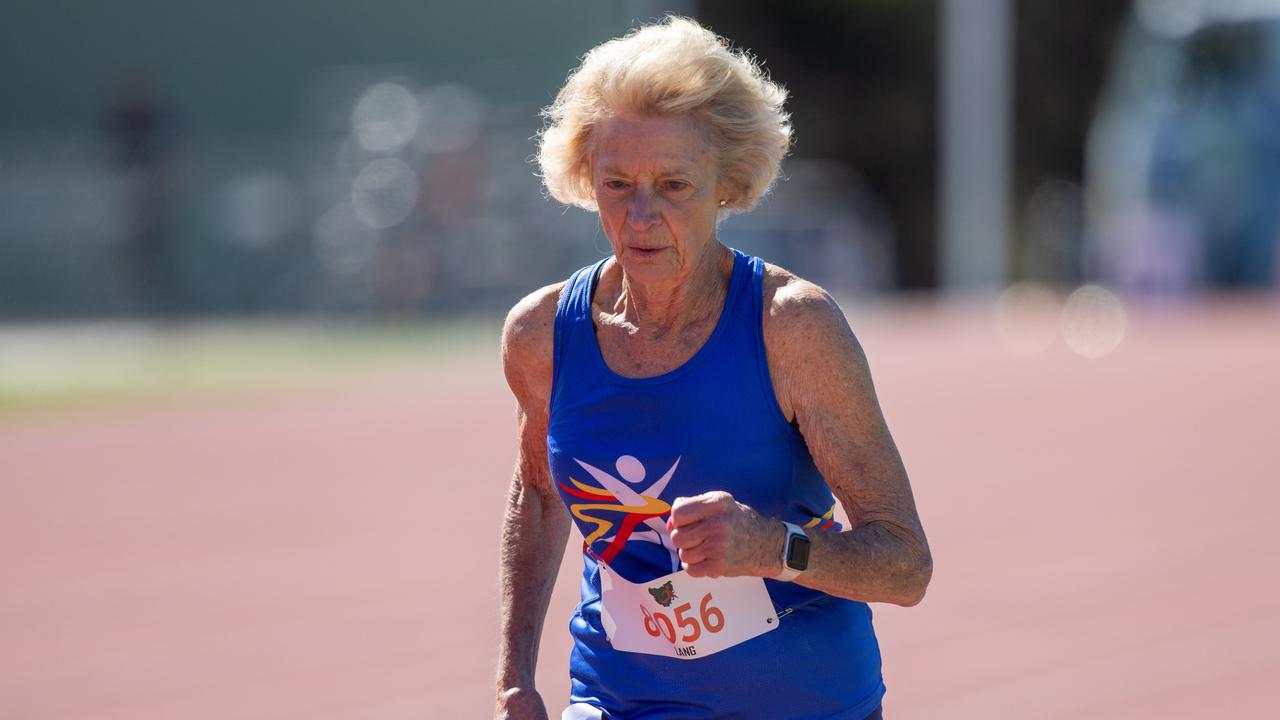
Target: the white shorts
pixel 582 711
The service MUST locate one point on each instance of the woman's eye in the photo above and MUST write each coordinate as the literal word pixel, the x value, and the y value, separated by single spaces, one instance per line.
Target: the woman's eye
pixel 677 185
pixel 615 184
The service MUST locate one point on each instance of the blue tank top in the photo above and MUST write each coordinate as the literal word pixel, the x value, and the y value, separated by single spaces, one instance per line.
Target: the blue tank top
pixel 711 424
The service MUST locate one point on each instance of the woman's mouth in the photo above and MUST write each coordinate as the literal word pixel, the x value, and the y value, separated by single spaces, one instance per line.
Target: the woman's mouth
pixel 645 251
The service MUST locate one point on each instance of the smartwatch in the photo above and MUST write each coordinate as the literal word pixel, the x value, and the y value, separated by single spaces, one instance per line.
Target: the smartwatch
pixel 795 553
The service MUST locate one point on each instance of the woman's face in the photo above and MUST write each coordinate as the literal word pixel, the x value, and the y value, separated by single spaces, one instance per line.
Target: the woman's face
pixel 655 183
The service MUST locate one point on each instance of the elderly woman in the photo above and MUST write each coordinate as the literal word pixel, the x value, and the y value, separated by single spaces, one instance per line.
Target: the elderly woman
pixel 696 412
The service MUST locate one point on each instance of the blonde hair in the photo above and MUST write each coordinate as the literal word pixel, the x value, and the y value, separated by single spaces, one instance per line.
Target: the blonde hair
pixel 675 67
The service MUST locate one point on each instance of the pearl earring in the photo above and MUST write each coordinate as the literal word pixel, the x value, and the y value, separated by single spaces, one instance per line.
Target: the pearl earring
pixel 722 202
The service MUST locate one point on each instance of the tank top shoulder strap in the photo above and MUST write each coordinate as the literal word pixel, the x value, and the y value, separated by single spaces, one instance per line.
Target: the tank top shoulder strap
pixel 753 286
pixel 573 308
pixel 747 301
pixel 575 299
pixel 748 305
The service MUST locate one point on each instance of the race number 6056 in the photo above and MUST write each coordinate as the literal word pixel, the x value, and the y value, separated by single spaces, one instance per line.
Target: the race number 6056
pixel 658 624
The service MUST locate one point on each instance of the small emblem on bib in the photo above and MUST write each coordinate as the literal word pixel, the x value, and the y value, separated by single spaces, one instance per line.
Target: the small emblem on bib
pixel 664 594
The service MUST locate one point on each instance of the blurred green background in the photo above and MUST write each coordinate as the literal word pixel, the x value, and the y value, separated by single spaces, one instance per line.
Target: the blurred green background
pixel 345 166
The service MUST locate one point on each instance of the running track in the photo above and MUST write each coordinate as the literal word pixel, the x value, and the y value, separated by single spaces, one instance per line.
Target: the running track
pixel 1104 537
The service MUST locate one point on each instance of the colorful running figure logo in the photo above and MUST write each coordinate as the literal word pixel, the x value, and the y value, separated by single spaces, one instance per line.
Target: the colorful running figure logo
pixel 616 496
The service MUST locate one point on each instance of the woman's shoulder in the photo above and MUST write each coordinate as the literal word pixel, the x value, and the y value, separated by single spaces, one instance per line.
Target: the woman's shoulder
pixel 794 305
pixel 528 341
pixel 534 315
pixel 807 340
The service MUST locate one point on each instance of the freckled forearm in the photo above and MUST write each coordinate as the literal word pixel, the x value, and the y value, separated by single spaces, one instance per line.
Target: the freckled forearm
pixel 871 563
pixel 534 533
pixel 821 375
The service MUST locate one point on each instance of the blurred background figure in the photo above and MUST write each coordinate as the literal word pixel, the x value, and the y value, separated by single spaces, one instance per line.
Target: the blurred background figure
pixel 1184 155
pixel 138 127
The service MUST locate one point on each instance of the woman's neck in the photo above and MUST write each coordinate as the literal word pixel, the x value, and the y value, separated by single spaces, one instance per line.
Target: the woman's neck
pixel 656 309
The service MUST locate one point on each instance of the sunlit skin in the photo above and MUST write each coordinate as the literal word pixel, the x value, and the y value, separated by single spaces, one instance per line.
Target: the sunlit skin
pixel 655 184
pixel 655 181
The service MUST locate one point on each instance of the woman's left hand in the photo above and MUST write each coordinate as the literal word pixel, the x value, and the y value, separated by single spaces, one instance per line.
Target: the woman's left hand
pixel 718 536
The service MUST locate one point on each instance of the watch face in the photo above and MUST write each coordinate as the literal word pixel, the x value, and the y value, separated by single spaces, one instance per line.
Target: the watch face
pixel 798 553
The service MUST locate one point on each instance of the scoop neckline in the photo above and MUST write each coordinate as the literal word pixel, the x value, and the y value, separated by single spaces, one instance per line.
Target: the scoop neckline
pixel 735 279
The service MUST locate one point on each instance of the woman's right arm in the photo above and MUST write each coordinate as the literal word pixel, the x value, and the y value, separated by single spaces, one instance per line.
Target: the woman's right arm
pixel 535 527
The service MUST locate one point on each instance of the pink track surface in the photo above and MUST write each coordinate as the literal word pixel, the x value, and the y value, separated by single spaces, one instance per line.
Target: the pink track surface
pixel 1103 534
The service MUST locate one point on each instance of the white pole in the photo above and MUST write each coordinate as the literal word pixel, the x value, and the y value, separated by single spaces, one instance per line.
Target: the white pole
pixel 974 143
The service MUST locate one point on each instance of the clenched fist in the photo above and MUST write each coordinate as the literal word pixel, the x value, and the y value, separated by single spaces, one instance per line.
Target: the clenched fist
pixel 718 536
pixel 520 704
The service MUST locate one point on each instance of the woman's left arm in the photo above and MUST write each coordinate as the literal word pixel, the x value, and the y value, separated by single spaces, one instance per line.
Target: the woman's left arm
pixel 822 381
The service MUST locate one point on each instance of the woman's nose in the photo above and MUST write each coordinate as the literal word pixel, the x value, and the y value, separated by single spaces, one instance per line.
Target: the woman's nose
pixel 642 211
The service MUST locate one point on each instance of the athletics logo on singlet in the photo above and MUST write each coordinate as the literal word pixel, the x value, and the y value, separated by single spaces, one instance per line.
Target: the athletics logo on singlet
pixel 637 507
pixel 639 617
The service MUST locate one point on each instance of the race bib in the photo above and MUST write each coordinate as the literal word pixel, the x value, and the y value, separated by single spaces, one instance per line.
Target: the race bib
pixel 681 616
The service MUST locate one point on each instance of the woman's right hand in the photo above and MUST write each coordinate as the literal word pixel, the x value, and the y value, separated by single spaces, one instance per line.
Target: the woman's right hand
pixel 520 704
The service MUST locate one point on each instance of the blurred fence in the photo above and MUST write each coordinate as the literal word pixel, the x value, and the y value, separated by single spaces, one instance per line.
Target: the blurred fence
pixel 394 197
pixel 358 162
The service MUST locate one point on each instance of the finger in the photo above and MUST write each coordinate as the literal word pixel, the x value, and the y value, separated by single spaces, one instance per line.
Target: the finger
pixel 689 536
pixel 688 510
pixel 704 568
pixel 696 569
pixel 692 556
